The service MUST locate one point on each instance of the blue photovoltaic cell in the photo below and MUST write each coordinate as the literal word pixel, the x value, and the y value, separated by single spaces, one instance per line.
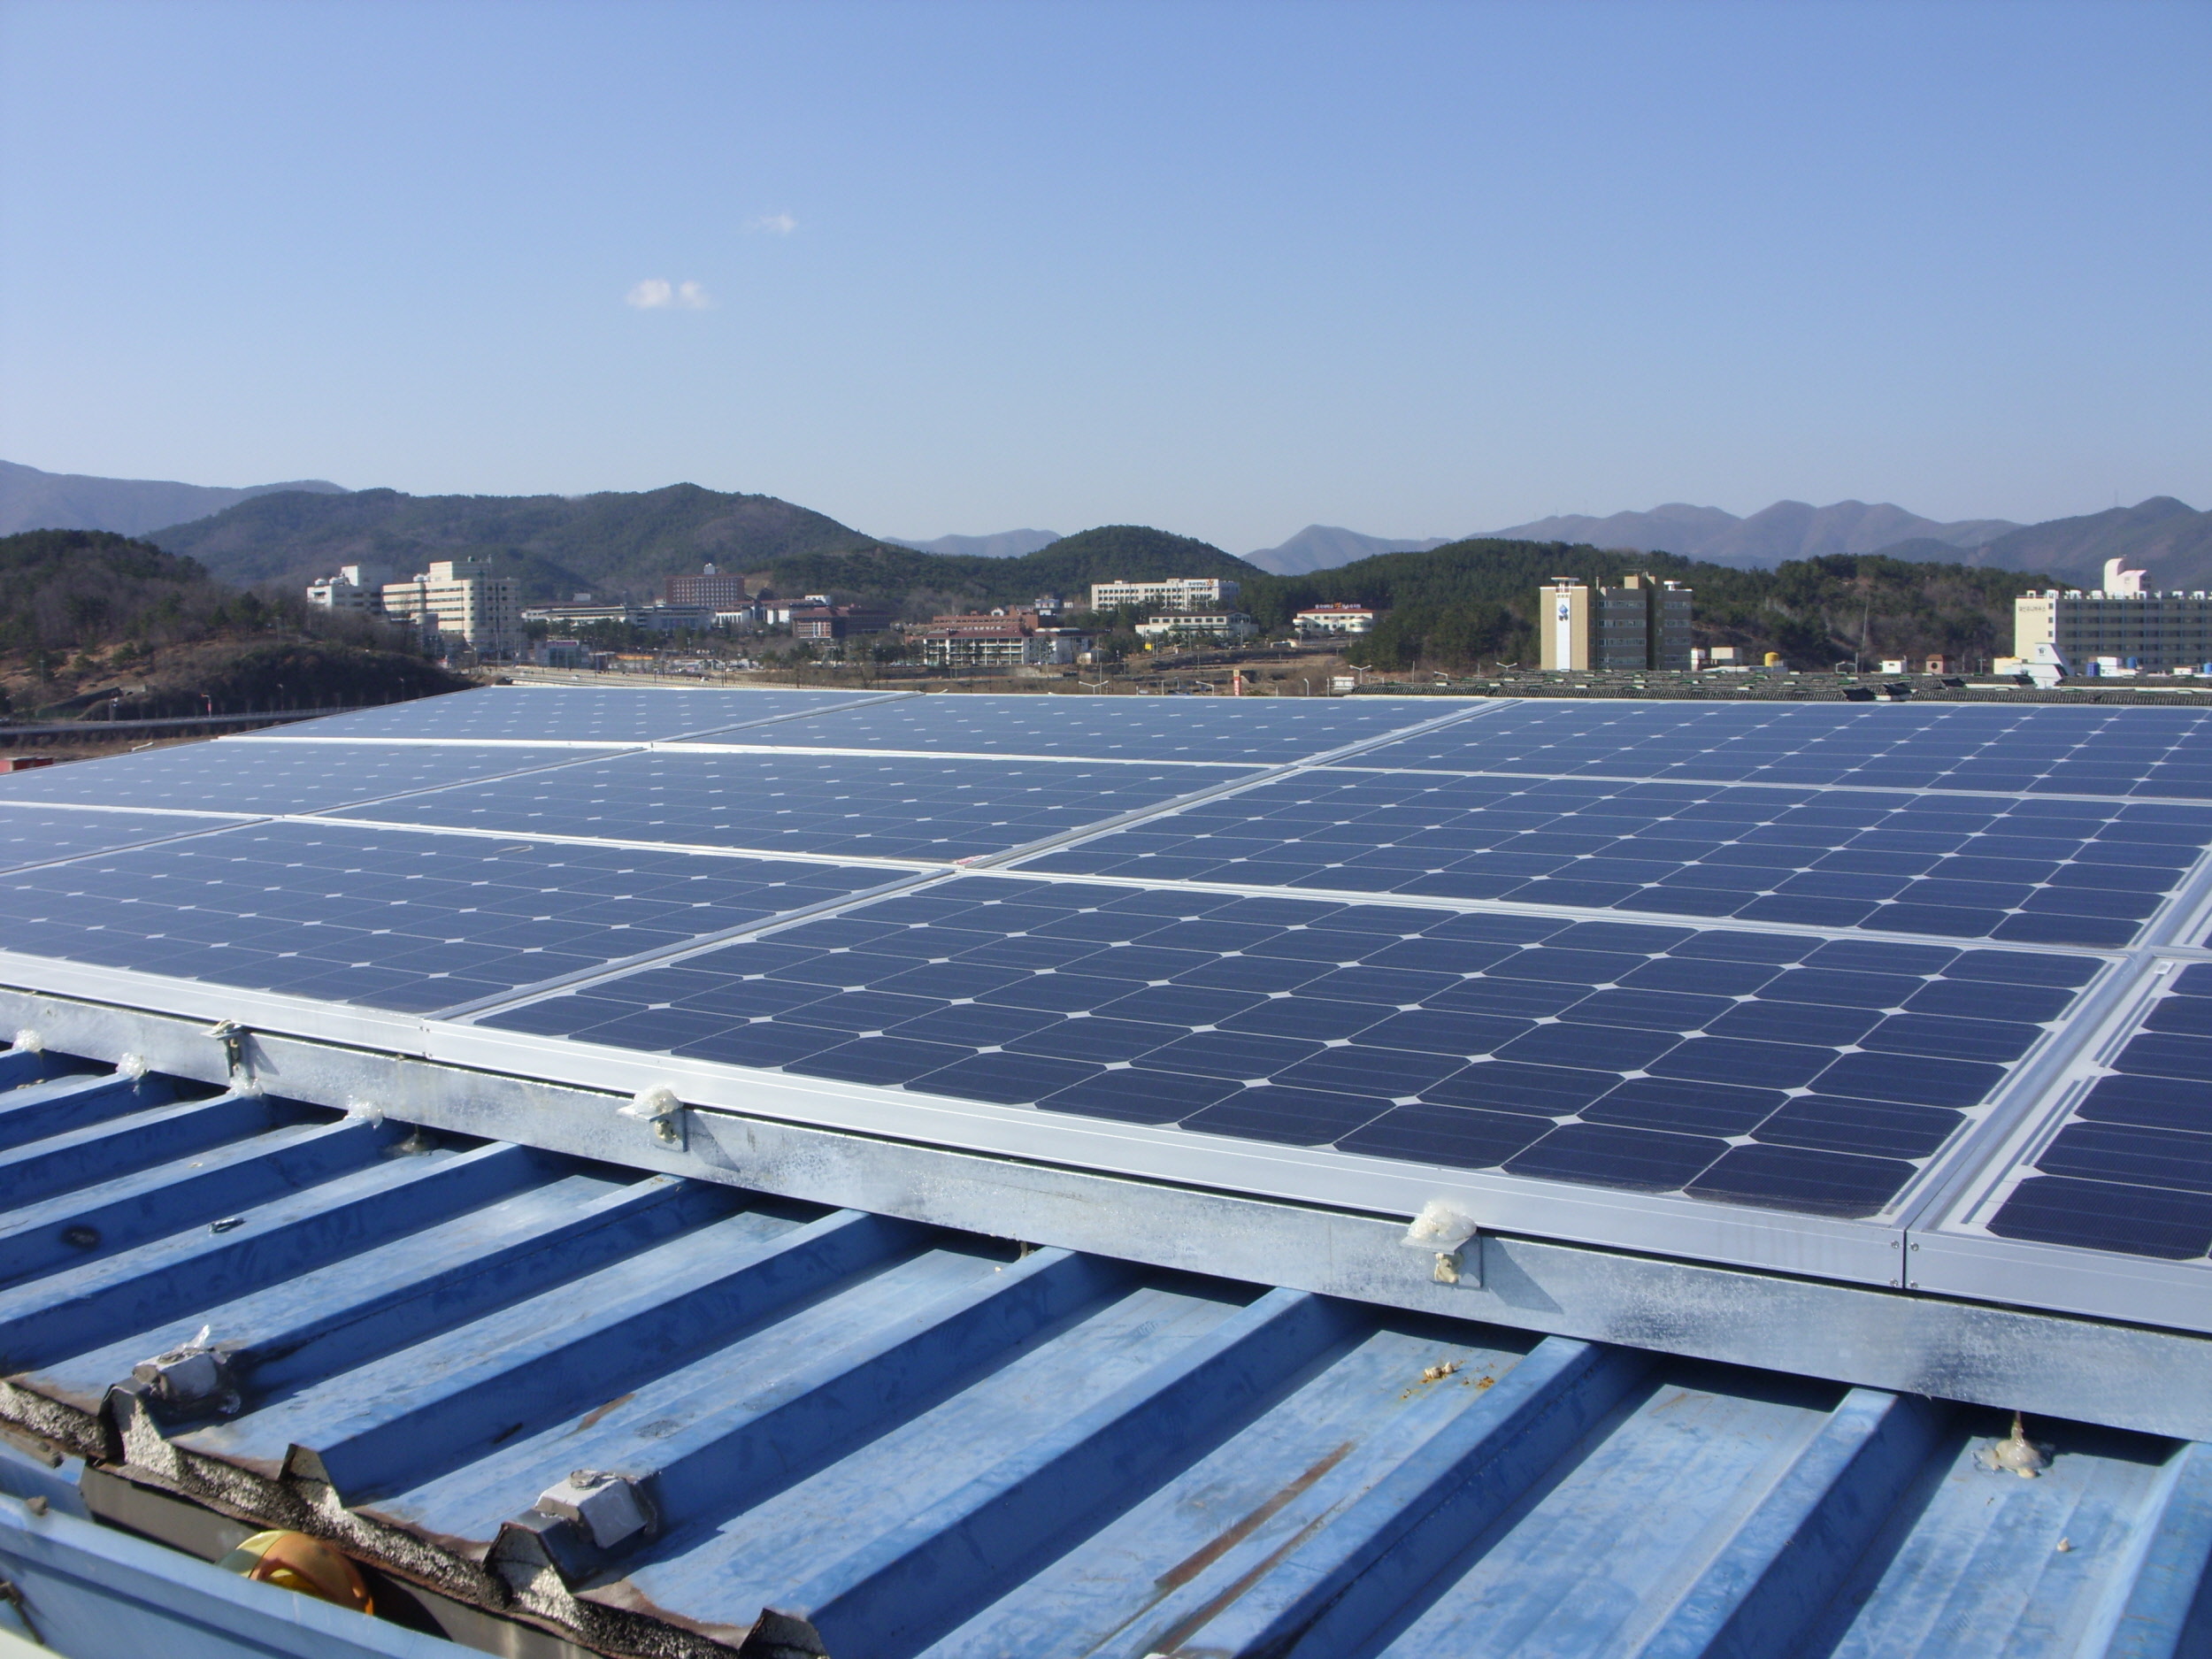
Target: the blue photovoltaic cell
pixel 2131 1172
pixel 2031 871
pixel 568 714
pixel 1243 731
pixel 2035 750
pixel 1796 1073
pixel 837 805
pixel 38 835
pixel 251 777
pixel 391 919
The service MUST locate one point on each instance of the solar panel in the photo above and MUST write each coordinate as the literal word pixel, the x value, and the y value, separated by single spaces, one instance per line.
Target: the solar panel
pixel 1245 729
pixel 388 919
pixel 39 835
pixel 2127 1168
pixel 250 777
pixel 2027 870
pixel 2033 750
pixel 832 805
pixel 1820 988
pixel 547 714
pixel 1794 1073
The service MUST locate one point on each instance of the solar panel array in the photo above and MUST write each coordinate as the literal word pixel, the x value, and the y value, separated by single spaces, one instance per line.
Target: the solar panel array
pixel 384 918
pixel 1814 962
pixel 2029 749
pixel 833 805
pixel 2029 870
pixel 1785 1071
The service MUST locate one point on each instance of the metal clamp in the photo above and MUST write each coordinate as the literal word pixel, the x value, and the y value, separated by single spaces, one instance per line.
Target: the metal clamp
pixel 233 1036
pixel 660 1108
pixel 1453 1241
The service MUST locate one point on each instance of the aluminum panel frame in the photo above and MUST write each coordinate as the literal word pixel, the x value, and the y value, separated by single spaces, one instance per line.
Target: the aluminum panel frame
pixel 2124 1375
pixel 1952 1249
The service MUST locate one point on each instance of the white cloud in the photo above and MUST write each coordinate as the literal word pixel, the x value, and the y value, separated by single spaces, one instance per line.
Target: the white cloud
pixel 658 294
pixel 772 225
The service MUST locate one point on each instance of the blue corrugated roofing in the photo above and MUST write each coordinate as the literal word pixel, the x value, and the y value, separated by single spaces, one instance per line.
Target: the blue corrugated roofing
pixel 828 1432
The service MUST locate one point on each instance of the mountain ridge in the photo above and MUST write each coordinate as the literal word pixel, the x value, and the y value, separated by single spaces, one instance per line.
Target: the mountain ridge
pixel 1321 547
pixel 1003 544
pixel 2169 540
pixel 31 499
pixel 1783 531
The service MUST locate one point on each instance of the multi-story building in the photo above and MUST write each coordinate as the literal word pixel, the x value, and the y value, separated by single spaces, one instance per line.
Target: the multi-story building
pixel 1209 626
pixel 1319 621
pixel 356 588
pixel 709 590
pixel 582 611
pixel 996 638
pixel 1176 593
pixel 824 621
pixel 1644 623
pixel 460 602
pixel 2153 633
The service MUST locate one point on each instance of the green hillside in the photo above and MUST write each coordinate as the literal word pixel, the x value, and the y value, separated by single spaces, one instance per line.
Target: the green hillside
pixel 1475 601
pixel 917 583
pixel 91 618
pixel 1471 601
pixel 557 545
pixel 615 543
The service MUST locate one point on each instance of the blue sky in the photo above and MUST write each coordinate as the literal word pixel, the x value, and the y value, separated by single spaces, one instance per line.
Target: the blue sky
pixel 1228 269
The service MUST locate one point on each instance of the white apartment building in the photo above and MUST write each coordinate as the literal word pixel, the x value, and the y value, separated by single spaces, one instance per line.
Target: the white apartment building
pixel 1209 625
pixel 460 602
pixel 356 588
pixel 1177 592
pixel 1319 621
pixel 2153 633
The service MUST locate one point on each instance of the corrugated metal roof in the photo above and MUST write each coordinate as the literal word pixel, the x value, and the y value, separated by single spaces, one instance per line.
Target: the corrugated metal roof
pixel 859 1436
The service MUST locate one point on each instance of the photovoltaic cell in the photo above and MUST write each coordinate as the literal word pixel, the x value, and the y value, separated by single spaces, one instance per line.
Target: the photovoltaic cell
pixel 838 805
pixel 37 835
pixel 2034 750
pixel 2026 871
pixel 1540 1046
pixel 2130 1171
pixel 391 919
pixel 252 777
pixel 1242 731
pixel 551 714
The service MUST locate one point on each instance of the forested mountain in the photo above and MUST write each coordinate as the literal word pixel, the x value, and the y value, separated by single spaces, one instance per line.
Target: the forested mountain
pixel 558 545
pixel 32 500
pixel 2169 540
pixel 1003 544
pixel 1475 601
pixel 917 584
pixel 88 617
pixel 1466 602
pixel 1320 546
pixel 612 544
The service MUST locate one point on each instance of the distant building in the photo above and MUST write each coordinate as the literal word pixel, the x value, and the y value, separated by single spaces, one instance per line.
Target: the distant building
pixel 996 638
pixel 460 602
pixel 2148 632
pixel 1212 627
pixel 816 619
pixel 561 654
pixel 1644 623
pixel 356 588
pixel 676 618
pixel 1177 592
pixel 709 590
pixel 583 611
pixel 1320 621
